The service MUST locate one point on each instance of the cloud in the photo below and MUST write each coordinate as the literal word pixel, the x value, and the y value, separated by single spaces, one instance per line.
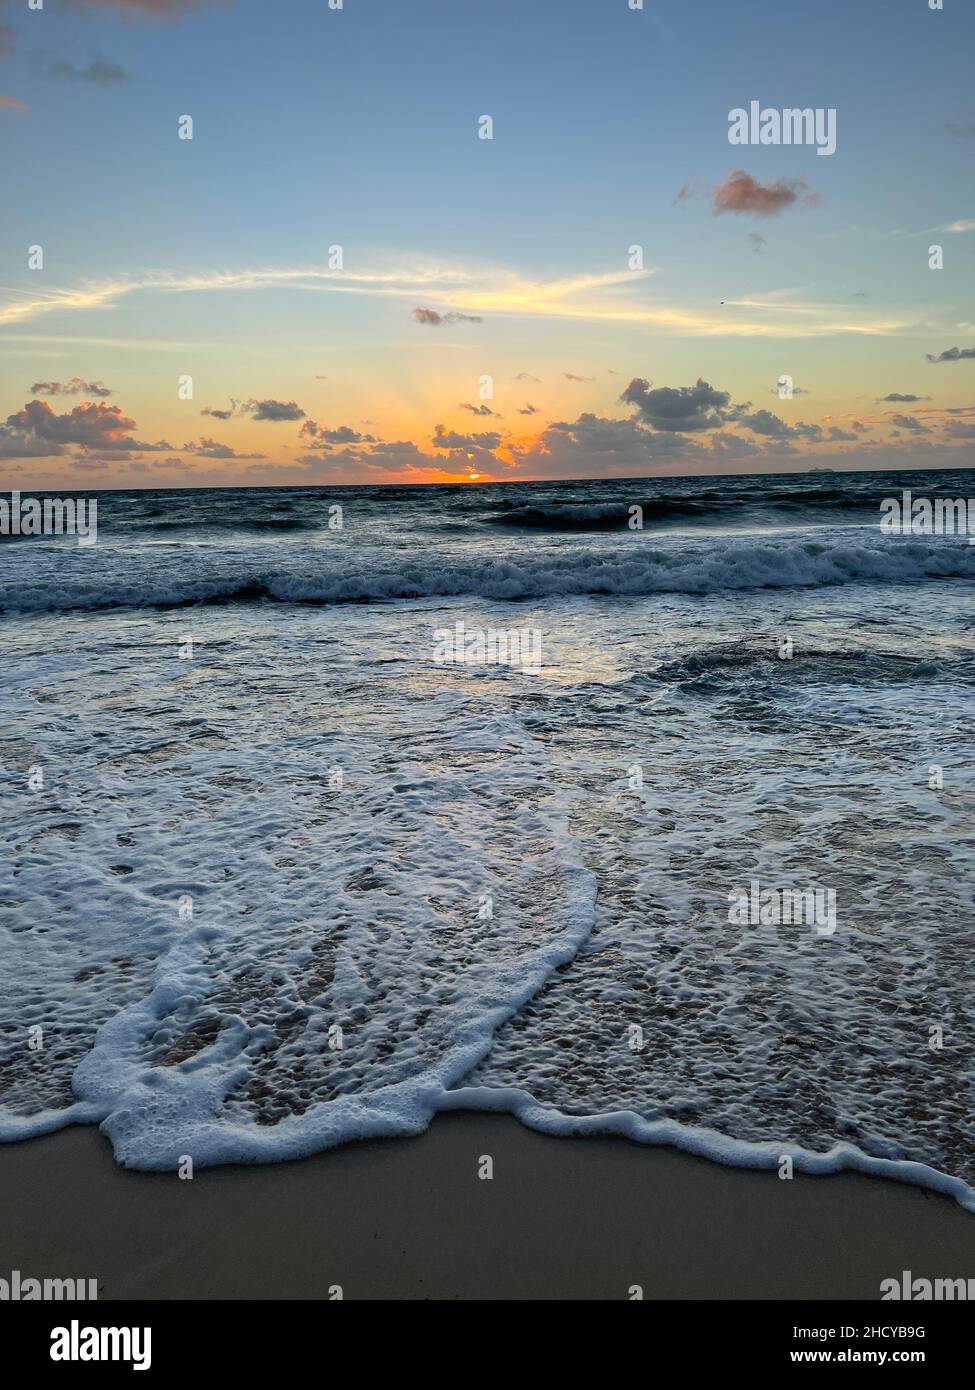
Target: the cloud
pixel 960 429
pixel 210 449
pixel 835 433
pixel 757 240
pixel 680 408
pixel 220 414
pixel 593 445
pixel 158 9
pixel 37 431
pixel 327 438
pixel 275 411
pixel 527 376
pixel 74 387
pixel 571 376
pixel 740 193
pixel 606 298
pixel 450 439
pixel 434 320
pixel 93 426
pixel 6 41
pixel 528 409
pixel 903 397
pixel 479 410
pixel 12 104
pixel 763 422
pixel 965 131
pixel 99 71
pixel 90 465
pixel 88 424
pixel 908 422
pixel 952 354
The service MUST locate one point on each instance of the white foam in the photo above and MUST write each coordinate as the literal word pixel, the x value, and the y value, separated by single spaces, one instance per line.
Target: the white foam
pixel 630 564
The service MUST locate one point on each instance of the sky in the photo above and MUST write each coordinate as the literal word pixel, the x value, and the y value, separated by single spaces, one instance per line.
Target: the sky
pixel 338 280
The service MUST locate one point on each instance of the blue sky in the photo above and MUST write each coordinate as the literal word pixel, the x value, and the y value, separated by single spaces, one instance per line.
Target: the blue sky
pixel 314 127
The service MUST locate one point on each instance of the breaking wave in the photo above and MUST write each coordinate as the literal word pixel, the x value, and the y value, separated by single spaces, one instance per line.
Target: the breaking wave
pixel 722 564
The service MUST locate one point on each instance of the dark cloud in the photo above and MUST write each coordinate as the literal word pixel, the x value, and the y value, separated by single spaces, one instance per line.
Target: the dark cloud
pixel 680 408
pixel 74 387
pixel 908 422
pixel 835 433
pixel 960 429
pixel 528 409
pixel 16 445
pixel 327 438
pixel 434 320
pixel 37 431
pixel 479 410
pixel 94 426
pixel 527 376
pixel 275 411
pixel 449 439
pixel 99 71
pixel 387 457
pixel 902 397
pixel 757 240
pixel 571 376
pixel 965 131
pixel 210 449
pixel 763 422
pixel 952 354
pixel 593 445
pixel 741 193
pixel 220 414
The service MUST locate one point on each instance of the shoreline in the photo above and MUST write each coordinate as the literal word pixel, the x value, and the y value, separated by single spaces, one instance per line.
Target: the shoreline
pixel 562 1218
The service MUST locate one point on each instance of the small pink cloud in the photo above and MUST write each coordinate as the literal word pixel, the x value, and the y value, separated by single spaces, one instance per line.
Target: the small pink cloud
pixel 13 104
pixel 742 193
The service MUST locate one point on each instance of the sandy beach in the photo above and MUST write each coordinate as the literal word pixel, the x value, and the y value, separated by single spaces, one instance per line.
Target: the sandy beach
pixel 582 1219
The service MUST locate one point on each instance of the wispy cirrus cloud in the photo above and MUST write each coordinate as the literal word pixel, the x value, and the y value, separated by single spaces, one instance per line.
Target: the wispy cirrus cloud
pixel 617 297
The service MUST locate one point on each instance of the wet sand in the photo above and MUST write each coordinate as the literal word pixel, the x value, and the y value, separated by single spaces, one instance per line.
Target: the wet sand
pixel 572 1218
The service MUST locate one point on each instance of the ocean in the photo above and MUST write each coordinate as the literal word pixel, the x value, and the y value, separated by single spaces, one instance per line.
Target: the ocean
pixel 327 809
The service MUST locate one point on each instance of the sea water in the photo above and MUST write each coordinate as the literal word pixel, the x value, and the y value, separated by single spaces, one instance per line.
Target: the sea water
pixel 274 878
